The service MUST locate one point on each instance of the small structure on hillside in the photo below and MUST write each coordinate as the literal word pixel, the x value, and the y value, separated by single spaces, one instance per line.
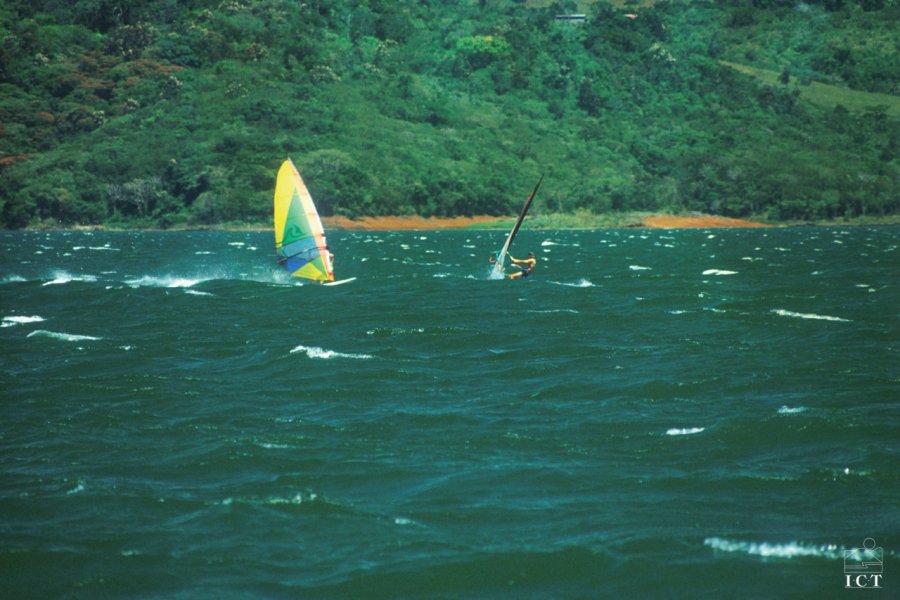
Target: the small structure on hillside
pixel 572 18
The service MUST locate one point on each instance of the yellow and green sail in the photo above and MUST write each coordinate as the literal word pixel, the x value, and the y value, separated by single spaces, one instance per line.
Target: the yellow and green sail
pixel 299 236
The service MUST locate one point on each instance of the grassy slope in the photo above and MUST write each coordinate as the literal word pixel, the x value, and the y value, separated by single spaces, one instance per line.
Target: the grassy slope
pixel 824 94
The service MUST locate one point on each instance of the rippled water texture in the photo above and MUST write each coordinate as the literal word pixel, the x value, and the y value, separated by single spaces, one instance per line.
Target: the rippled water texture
pixel 651 414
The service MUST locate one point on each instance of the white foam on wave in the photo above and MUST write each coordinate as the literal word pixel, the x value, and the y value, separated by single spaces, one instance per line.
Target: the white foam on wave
pixel 197 293
pixel 14 320
pixel 12 279
pixel 164 282
pixel 546 243
pixel 788 313
pixel 106 247
pixel 792 410
pixel 718 272
pixel 66 337
pixel 581 283
pixel 295 500
pixel 768 550
pixel 394 330
pixel 61 277
pixel 77 489
pixel 316 352
pixel 639 268
pixel 272 446
pixel 684 430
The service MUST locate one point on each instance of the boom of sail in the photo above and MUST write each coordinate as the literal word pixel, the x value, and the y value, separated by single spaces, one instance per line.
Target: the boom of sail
pixel 497 271
pixel 299 236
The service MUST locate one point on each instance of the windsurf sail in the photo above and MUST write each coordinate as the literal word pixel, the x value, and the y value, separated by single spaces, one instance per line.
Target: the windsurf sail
pixel 497 271
pixel 299 236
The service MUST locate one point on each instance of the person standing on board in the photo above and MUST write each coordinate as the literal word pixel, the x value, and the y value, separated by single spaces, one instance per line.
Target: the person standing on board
pixel 526 266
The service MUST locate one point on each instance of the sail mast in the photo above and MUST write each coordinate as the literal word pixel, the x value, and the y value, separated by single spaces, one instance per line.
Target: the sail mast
pixel 497 272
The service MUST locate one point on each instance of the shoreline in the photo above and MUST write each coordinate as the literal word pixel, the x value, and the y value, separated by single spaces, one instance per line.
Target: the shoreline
pixel 419 223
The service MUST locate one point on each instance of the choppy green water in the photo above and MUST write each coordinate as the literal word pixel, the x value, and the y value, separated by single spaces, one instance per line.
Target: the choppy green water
pixel 652 414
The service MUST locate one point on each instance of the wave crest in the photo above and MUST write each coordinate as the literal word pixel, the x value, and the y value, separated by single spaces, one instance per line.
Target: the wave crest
pixel 316 352
pixel 768 550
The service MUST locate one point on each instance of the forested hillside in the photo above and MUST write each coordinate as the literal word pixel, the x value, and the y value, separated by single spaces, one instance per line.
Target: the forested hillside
pixel 165 113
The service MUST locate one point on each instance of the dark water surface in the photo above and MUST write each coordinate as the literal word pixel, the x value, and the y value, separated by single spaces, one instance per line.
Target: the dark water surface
pixel 663 414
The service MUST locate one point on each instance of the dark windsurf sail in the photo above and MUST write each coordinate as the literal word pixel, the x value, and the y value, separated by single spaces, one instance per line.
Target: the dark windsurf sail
pixel 497 271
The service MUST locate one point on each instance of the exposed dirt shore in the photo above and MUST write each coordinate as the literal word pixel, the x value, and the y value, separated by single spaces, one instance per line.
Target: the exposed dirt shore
pixel 702 221
pixel 398 223
pixel 393 223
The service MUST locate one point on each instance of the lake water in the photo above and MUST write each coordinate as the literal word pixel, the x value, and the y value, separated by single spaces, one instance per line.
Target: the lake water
pixel 654 413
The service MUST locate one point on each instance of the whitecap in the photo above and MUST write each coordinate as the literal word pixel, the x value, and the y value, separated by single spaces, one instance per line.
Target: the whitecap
pixel 684 430
pixel 78 488
pixel 788 313
pixel 166 282
pixel 197 293
pixel 394 330
pixel 552 243
pixel 20 320
pixel 718 272
pixel 12 279
pixel 768 550
pixel 792 410
pixel 581 283
pixel 63 277
pixel 272 446
pixel 66 337
pixel 316 352
pixel 297 499
pixel 639 268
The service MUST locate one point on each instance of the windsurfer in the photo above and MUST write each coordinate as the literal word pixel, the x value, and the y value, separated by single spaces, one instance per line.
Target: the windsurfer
pixel 525 266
